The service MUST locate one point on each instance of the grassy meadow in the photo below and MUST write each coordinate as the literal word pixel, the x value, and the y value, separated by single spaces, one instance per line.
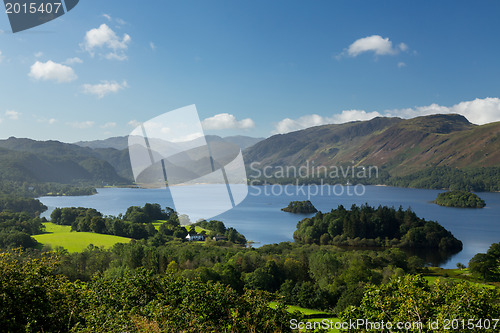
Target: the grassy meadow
pixel 61 235
pixel 310 312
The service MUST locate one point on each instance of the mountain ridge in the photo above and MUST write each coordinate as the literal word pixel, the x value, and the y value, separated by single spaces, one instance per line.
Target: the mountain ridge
pixel 121 142
pixel 401 146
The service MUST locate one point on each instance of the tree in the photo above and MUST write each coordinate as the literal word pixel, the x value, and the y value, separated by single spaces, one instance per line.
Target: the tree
pixel 32 297
pixel 487 265
pixel 411 299
pixel 97 225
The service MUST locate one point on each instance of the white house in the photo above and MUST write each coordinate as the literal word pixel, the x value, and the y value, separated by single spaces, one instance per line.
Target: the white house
pixel 196 237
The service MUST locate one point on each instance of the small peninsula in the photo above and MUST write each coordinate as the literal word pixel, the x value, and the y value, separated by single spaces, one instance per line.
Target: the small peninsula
pixel 363 226
pixel 300 207
pixel 460 199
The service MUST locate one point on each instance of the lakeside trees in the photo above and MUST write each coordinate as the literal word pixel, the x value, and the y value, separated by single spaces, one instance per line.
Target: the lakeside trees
pixel 368 226
pixel 487 265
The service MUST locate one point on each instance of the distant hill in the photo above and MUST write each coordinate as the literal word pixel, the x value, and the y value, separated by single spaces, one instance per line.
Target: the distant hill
pixel 117 142
pixel 242 141
pixel 121 142
pixel 53 161
pixel 399 146
pixel 92 162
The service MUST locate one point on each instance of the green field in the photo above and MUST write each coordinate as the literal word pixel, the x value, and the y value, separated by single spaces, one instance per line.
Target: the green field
pixel 454 274
pixel 61 235
pixel 311 312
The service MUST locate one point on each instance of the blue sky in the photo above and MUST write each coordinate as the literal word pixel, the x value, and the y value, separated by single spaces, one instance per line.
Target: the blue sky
pixel 251 67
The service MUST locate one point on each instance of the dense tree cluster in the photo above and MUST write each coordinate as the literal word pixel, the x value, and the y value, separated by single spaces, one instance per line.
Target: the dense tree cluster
pixel 35 189
pixel 462 199
pixel 136 223
pixel 485 179
pixel 217 228
pixel 368 226
pixel 300 207
pixel 16 229
pixel 35 298
pixel 487 265
pixel 19 220
pixel 471 179
pixel 411 300
pixel 306 275
pixel 30 206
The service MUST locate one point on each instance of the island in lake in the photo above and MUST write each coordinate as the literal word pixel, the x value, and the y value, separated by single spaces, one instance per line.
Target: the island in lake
pixel 461 199
pixel 300 207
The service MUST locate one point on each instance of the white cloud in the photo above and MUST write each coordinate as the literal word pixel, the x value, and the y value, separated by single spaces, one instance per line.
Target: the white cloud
pixel 152 46
pixel 104 88
pixel 376 44
pixel 74 60
pixel 134 123
pixel 109 125
pixel 105 39
pixel 52 71
pixel 38 54
pixel 403 47
pixel 82 124
pixel 226 121
pixel 50 121
pixel 116 56
pixel 401 64
pixel 289 125
pixel 12 115
pixel 107 17
pixel 120 21
pixel 478 111
pixel 1 56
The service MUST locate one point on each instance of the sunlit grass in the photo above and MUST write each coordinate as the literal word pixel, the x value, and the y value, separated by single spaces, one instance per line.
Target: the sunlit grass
pixel 61 235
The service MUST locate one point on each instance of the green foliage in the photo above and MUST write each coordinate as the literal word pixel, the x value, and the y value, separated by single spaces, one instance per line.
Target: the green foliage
pixel 470 179
pixel 16 230
pixel 35 298
pixel 136 223
pixel 411 299
pixel 462 199
pixel 300 207
pixel 367 226
pixel 487 265
pixel 19 204
pixel 11 188
pixel 217 228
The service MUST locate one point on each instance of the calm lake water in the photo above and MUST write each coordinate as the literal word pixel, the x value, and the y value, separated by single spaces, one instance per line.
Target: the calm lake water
pixel 260 219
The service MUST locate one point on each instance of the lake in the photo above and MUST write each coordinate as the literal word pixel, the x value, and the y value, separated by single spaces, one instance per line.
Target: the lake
pixel 260 219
